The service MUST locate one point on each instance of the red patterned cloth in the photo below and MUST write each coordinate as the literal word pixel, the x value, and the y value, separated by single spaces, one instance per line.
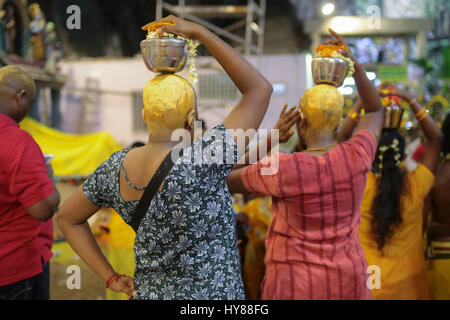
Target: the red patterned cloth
pixel 313 248
pixel 418 154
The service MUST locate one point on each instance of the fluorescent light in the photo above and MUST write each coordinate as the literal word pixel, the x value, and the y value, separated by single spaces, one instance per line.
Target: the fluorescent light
pixel 254 27
pixel 328 9
pixel 349 81
pixel 279 89
pixel 347 24
pixel 371 75
pixel 309 78
pixel 345 90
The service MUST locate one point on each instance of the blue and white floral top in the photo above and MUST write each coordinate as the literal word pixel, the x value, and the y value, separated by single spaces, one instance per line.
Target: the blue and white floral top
pixel 186 246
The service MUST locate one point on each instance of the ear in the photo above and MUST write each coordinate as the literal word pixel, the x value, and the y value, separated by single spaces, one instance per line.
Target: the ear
pixel 191 116
pixel 338 127
pixel 19 97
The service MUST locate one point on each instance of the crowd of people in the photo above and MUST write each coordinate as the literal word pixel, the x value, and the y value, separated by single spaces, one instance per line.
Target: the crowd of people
pixel 340 204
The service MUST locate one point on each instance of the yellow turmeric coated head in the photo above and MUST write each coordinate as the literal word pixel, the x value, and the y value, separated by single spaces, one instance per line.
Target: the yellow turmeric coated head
pixel 168 101
pixel 322 106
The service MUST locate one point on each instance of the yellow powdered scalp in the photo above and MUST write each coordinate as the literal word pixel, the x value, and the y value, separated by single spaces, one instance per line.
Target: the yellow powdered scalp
pixel 167 98
pixel 322 106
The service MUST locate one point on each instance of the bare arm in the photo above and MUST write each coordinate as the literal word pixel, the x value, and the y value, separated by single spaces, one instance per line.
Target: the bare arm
pixel 353 116
pixel 350 123
pixel 45 209
pixel 234 182
pixel 255 89
pixel 373 118
pixel 72 219
pixel 283 125
pixel 370 99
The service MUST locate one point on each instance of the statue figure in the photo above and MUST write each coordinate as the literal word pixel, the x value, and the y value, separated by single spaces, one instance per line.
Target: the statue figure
pixel 10 28
pixel 2 31
pixel 53 48
pixel 37 29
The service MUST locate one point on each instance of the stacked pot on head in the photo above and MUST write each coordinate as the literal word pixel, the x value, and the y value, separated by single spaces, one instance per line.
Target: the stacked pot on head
pixel 164 55
pixel 393 112
pixel 328 67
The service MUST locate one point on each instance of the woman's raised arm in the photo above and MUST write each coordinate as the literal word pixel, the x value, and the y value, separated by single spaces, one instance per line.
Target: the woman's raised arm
pixel 255 89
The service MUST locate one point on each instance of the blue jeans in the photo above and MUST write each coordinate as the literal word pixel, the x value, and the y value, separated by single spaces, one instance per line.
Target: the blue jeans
pixel 35 288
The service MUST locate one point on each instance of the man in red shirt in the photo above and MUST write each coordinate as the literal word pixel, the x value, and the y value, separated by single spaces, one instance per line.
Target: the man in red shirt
pixel 27 195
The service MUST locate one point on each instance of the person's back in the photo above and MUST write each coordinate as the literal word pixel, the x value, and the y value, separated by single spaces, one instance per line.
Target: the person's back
pixel 27 195
pixel 315 217
pixel 392 223
pixel 185 246
pixel 313 250
pixel 402 259
pixel 15 222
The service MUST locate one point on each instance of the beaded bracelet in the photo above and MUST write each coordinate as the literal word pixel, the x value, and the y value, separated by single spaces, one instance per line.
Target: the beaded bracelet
pixel 114 277
pixel 421 114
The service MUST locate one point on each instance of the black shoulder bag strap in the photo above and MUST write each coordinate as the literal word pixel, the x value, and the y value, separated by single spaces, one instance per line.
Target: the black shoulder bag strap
pixel 150 191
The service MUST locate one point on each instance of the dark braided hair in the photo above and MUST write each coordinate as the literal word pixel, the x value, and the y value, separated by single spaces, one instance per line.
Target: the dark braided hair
pixel 386 207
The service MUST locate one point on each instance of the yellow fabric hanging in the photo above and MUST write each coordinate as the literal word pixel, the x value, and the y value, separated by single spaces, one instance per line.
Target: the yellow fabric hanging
pixel 75 155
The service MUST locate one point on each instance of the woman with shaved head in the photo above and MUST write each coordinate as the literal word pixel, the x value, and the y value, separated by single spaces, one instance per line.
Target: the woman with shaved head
pixel 185 246
pixel 312 245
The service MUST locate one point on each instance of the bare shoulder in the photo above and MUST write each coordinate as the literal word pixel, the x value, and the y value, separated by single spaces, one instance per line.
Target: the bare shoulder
pixel 440 198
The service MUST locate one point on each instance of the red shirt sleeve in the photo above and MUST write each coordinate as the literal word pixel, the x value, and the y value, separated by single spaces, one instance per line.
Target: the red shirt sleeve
pixel 263 177
pixel 361 149
pixel 28 179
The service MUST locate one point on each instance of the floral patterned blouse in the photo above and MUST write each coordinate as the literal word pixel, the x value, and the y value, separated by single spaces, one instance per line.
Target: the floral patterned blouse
pixel 186 246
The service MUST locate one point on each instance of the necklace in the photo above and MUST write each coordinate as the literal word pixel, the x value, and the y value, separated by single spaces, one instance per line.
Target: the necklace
pixel 128 181
pixel 322 148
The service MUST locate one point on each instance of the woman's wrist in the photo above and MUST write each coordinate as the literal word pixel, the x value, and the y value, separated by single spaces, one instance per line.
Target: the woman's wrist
pixel 111 279
pixel 200 33
pixel 410 100
pixel 358 106
pixel 421 114
pixel 358 67
pixel 108 274
pixel 404 95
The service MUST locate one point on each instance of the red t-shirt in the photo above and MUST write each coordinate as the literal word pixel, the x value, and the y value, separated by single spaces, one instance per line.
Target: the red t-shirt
pixel 23 182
